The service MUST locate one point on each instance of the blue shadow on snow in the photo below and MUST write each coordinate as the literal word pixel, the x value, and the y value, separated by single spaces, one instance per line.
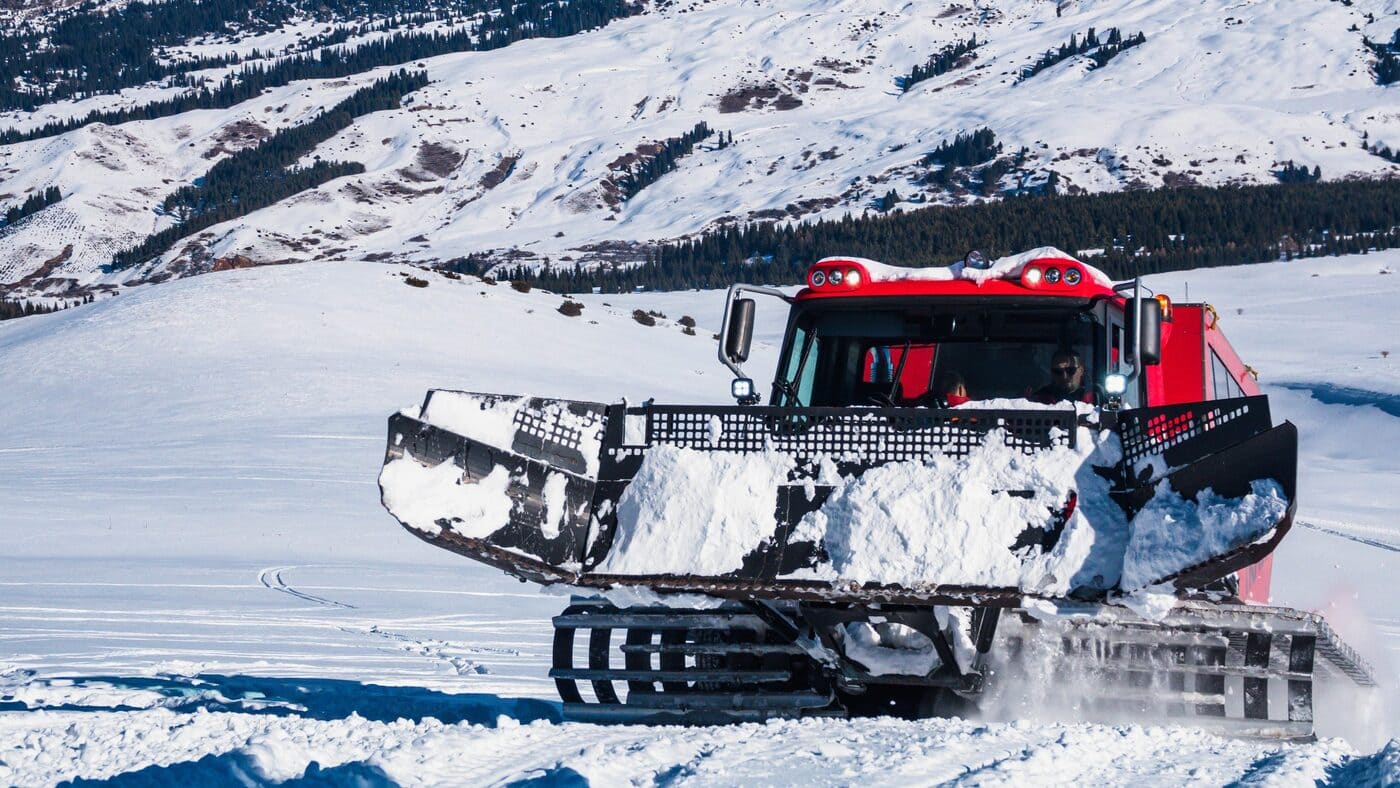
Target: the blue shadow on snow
pixel 312 698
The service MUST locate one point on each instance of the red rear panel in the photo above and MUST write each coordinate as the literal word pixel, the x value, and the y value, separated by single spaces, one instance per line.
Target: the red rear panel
pixel 1180 378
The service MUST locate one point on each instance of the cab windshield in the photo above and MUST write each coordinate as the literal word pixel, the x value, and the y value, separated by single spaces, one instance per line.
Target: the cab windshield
pixel 912 357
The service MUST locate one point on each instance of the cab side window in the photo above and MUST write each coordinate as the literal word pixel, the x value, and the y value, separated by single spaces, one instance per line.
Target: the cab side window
pixel 1224 384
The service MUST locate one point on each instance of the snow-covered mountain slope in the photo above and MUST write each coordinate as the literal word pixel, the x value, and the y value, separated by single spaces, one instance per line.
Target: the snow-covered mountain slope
pixel 512 150
pixel 197 572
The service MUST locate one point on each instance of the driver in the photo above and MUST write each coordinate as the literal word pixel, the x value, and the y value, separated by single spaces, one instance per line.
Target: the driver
pixel 1066 380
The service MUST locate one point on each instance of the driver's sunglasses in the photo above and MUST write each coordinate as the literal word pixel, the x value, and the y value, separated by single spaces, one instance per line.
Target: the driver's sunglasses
pixel 1065 371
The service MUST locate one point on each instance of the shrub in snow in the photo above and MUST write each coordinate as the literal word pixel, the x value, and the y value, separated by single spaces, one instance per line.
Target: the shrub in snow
pixel 413 281
pixel 687 321
pixel 520 286
pixel 571 309
pixel 643 318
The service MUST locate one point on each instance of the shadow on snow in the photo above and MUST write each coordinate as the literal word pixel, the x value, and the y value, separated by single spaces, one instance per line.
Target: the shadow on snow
pixel 312 698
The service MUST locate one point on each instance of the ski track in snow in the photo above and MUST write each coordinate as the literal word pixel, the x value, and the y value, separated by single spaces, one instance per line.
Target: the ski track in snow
pixel 234 442
pixel 1377 543
pixel 272 578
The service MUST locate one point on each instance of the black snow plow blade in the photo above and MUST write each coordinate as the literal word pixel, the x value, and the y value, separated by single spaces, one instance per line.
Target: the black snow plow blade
pixel 565 467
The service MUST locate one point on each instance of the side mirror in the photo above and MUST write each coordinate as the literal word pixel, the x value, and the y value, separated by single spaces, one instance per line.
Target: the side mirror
pixel 1150 353
pixel 740 334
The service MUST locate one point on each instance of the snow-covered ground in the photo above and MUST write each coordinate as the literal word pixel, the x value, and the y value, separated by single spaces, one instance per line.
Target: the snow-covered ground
pixel 509 149
pixel 198 576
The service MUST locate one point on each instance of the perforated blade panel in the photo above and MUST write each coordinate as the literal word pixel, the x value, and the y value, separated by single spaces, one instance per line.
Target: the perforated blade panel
pixel 1182 434
pixel 857 437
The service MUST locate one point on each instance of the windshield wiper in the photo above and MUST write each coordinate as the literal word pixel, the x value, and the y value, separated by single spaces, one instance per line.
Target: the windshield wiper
pixel 789 387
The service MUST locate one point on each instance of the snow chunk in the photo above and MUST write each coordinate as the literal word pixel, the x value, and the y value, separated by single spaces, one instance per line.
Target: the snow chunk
pixel 694 512
pixel 1152 603
pixel 1172 533
pixel 423 496
pixel 890 649
pixel 488 420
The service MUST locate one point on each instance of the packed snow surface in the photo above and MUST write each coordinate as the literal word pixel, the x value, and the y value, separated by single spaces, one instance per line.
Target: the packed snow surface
pixel 199 579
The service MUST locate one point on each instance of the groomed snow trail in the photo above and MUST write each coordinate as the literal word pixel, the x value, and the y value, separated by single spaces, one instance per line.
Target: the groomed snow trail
pixel 199 579
pixel 502 745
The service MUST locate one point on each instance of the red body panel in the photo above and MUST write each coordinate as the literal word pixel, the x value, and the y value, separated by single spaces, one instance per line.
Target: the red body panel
pixel 1180 378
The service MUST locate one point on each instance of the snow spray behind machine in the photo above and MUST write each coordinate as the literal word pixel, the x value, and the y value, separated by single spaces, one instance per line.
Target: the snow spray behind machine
pixel 915 505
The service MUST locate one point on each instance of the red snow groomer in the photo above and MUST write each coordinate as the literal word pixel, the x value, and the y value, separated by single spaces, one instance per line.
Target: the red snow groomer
pixel 962 475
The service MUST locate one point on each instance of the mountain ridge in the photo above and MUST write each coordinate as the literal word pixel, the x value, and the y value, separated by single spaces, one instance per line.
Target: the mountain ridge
pixel 1218 93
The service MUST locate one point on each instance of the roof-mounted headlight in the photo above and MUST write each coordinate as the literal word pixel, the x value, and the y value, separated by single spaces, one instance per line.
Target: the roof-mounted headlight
pixel 818 278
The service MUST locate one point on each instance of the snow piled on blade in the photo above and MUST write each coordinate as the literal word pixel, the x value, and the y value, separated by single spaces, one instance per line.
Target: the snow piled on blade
pixel 424 496
pixel 692 512
pixel 1172 533
pixel 977 520
pixel 488 420
pixel 950 520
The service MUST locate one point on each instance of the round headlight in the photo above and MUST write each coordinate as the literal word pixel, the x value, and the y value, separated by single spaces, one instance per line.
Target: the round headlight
pixel 853 277
pixel 1032 276
pixel 818 278
pixel 1072 276
pixel 1052 276
pixel 835 276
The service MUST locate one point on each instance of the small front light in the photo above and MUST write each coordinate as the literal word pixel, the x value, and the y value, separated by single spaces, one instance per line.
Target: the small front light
pixel 818 278
pixel 835 276
pixel 1032 276
pixel 1115 385
pixel 742 389
pixel 853 277
pixel 1072 276
pixel 1052 276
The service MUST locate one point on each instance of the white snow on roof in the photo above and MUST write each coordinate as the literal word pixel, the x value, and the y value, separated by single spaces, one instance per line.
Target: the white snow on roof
pixel 1008 267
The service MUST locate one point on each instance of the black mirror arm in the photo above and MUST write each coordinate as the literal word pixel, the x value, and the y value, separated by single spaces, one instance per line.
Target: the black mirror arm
pixel 735 292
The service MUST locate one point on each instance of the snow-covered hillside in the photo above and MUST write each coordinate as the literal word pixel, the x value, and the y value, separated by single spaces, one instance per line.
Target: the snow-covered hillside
pixel 513 149
pixel 198 575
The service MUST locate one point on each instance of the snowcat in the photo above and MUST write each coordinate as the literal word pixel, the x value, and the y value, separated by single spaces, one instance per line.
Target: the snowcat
pixel 921 521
